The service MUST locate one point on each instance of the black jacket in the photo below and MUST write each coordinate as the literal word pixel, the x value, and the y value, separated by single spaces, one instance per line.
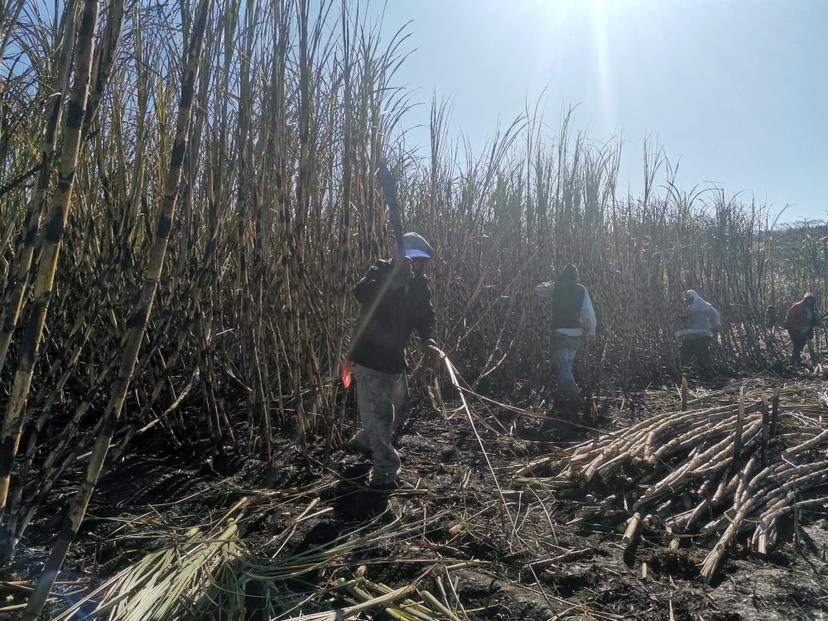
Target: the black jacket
pixel 388 317
pixel 567 300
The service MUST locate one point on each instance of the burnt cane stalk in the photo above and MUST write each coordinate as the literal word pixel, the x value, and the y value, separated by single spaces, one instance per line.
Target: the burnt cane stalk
pixel 14 296
pixel 136 325
pixel 56 219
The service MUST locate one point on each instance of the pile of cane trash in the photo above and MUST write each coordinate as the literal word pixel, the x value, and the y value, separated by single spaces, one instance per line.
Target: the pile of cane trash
pixel 716 475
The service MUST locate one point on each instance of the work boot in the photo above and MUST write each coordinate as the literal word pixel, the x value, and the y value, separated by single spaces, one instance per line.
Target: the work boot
pixel 359 443
pixel 550 431
pixel 384 485
pixel 569 403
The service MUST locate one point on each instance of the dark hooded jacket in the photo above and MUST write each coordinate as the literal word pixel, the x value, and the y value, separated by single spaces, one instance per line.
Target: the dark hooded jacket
pixel 388 317
pixel 801 316
pixel 567 299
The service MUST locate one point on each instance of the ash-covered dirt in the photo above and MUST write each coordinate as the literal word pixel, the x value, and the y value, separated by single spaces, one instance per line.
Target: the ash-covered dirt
pixel 507 553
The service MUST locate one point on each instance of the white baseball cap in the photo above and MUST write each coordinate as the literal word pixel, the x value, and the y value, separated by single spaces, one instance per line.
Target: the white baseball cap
pixel 416 247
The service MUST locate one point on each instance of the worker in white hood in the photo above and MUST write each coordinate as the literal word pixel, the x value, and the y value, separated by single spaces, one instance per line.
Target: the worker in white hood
pixel 703 322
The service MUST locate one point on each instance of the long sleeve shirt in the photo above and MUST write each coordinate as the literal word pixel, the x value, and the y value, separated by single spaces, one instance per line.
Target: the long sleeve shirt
pixel 588 321
pixel 800 317
pixel 702 320
pixel 388 316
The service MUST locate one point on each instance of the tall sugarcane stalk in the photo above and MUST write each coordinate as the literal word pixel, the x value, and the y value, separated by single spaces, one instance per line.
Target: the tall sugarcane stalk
pixel 53 239
pixel 9 16
pixel 102 67
pixel 16 288
pixel 136 325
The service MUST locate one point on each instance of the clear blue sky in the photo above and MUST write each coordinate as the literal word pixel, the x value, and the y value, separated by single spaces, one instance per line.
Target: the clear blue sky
pixel 736 89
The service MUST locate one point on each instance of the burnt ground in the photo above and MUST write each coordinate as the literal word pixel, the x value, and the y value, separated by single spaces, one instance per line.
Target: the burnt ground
pixel 524 563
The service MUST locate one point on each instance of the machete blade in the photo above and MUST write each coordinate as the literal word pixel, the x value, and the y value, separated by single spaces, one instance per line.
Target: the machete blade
pixel 389 189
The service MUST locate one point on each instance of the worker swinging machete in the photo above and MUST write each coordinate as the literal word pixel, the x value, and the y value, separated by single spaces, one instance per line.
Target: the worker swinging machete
pixel 395 300
pixel 389 191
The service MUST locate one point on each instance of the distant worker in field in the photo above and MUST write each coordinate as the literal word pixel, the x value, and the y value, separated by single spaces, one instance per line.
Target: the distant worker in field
pixel 702 323
pixel 800 323
pixel 573 320
pixel 395 300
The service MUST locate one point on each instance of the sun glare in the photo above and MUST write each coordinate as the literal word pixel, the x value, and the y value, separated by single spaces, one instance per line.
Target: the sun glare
pixel 597 6
pixel 598 24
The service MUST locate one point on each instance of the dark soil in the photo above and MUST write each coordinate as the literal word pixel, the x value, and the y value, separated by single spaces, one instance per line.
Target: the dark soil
pixel 527 564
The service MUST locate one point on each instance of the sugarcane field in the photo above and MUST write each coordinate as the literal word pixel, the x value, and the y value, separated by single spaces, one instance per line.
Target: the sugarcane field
pixel 456 311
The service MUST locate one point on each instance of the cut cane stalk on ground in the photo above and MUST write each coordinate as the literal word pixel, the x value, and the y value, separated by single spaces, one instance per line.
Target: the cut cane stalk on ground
pixel 699 449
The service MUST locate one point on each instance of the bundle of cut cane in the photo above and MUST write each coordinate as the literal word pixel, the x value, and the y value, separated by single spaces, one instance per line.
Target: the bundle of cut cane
pixel 720 472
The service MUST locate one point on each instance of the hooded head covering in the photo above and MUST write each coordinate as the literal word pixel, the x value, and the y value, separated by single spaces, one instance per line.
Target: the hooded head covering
pixel 697 303
pixel 702 317
pixel 568 275
pixel 800 317
pixel 416 247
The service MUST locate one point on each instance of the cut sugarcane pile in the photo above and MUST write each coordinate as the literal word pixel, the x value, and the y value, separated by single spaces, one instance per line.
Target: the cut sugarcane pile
pixel 720 473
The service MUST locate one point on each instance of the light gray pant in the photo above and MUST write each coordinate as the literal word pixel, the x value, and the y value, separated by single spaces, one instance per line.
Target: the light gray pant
pixel 564 349
pixel 381 398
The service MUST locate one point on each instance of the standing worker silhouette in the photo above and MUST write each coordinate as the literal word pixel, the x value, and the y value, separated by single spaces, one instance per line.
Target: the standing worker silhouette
pixel 395 300
pixel 573 320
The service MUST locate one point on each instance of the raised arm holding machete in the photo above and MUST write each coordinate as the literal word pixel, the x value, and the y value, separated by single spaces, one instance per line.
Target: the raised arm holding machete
pixel 389 189
pixel 395 300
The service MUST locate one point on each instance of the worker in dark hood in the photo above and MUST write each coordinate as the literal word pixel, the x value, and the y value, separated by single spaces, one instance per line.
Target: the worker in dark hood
pixel 703 322
pixel 800 323
pixel 395 300
pixel 573 320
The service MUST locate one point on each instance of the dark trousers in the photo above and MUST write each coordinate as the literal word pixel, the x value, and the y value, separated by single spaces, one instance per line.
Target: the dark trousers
pixel 799 339
pixel 696 349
